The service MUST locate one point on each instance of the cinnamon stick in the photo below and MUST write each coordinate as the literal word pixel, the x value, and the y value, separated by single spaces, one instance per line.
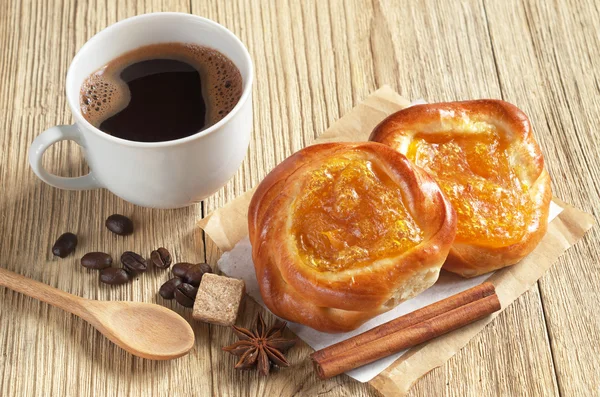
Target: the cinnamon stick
pixel 425 313
pixel 404 338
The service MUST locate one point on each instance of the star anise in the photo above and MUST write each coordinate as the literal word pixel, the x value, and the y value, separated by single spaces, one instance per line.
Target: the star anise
pixel 261 347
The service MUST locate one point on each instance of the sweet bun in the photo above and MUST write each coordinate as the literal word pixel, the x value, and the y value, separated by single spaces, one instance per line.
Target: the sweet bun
pixel 342 232
pixel 484 156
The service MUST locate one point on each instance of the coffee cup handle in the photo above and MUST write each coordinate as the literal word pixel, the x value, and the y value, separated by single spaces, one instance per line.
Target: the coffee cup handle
pixel 42 143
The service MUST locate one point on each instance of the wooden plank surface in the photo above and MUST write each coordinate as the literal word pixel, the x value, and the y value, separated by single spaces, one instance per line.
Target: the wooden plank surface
pixel 558 61
pixel 314 61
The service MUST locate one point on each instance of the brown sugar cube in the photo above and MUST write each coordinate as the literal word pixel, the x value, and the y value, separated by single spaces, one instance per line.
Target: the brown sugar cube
pixel 218 299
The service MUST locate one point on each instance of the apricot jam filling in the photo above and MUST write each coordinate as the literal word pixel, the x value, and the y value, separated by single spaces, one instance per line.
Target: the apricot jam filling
pixel 349 213
pixel 492 204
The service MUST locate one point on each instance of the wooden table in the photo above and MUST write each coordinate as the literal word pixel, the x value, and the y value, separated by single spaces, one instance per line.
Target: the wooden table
pixel 314 61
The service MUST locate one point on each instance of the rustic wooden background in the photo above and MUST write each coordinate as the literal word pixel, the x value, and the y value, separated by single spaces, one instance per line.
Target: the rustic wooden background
pixel 314 61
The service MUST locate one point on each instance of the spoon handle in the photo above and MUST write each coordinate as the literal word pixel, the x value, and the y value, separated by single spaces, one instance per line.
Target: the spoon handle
pixel 45 293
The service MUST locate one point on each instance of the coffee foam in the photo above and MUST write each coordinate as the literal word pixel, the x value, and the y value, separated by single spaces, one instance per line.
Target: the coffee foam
pixel 103 94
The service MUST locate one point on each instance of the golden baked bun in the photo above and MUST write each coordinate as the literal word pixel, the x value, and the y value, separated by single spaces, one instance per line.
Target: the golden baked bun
pixel 342 232
pixel 483 155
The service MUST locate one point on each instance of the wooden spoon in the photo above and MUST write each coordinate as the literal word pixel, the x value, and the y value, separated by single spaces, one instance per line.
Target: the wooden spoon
pixel 143 329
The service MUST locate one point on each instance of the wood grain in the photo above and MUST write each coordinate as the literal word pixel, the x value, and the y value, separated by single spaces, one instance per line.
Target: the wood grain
pixel 556 54
pixel 314 61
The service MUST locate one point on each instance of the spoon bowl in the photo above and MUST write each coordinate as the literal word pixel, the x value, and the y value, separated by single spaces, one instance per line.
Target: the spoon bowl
pixel 143 329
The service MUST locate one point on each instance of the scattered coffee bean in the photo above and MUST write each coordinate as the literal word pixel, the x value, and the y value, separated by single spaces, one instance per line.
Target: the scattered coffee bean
pixel 114 276
pixel 194 274
pixel 179 269
pixel 133 263
pixel 65 244
pixel 167 290
pixel 96 260
pixel 161 258
pixel 185 294
pixel 205 267
pixel 119 224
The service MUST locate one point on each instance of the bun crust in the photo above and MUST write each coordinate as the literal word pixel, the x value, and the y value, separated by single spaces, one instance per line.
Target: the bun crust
pixel 301 279
pixel 513 221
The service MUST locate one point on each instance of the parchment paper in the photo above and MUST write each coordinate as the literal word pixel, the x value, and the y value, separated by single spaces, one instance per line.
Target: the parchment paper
pixel 227 226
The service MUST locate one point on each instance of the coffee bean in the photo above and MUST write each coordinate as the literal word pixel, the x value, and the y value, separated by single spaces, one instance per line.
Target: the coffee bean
pixel 167 290
pixel 114 276
pixel 65 244
pixel 179 269
pixel 194 274
pixel 96 260
pixel 185 294
pixel 133 263
pixel 205 267
pixel 161 258
pixel 119 224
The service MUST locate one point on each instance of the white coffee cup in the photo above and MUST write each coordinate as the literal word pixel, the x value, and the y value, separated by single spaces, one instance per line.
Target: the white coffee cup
pixel 167 174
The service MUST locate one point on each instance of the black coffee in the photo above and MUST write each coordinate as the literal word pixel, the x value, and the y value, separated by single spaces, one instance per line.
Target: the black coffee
pixel 161 92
